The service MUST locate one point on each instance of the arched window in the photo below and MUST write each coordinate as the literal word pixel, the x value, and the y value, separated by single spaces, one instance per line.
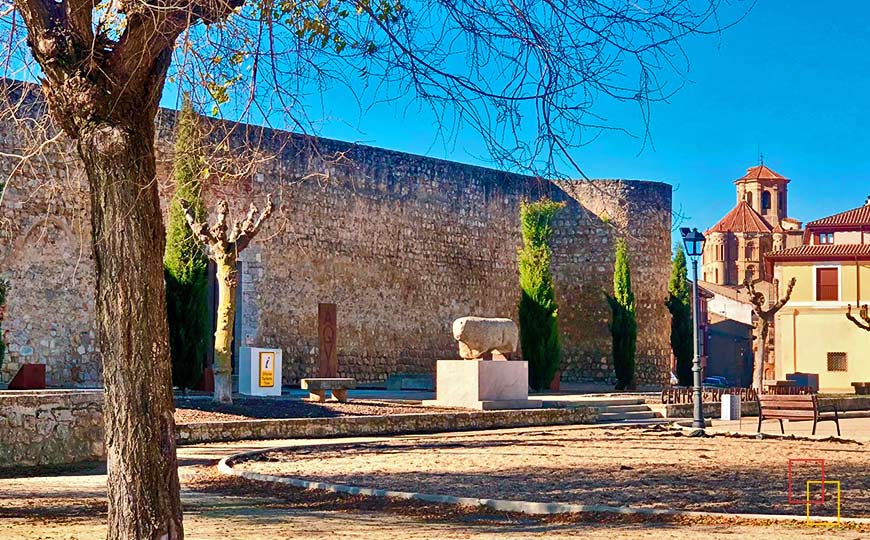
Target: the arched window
pixel 765 202
pixel 749 198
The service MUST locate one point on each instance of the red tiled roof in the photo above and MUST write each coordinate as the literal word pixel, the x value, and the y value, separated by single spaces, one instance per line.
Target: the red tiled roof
pixel 854 218
pixel 760 172
pixel 741 219
pixel 822 252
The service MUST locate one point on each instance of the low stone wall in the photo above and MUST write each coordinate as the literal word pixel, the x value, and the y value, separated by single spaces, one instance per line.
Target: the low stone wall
pixel 63 427
pixel 713 409
pixel 50 428
pixel 361 426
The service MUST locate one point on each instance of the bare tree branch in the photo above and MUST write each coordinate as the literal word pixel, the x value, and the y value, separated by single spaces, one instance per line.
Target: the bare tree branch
pixel 250 226
pixel 199 229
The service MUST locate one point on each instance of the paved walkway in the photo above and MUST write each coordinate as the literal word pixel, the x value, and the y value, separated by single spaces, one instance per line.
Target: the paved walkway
pixel 69 507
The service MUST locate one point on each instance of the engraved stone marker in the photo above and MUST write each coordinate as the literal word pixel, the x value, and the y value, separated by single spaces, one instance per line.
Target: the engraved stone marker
pixel 326 331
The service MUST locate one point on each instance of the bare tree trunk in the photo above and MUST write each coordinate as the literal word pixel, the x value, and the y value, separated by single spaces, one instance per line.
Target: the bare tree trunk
pixel 143 487
pixel 227 278
pixel 760 355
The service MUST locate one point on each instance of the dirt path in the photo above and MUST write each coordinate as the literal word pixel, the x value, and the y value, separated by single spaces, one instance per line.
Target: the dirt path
pixel 637 467
pixel 72 507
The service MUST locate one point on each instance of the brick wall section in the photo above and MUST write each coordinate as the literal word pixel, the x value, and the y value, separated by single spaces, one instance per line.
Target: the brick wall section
pixel 45 252
pixel 403 245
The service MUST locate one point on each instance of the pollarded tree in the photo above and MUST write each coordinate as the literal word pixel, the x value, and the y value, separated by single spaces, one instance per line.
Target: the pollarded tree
pixel 224 245
pixel 185 263
pixel 525 75
pixel 623 324
pixel 764 317
pixel 539 323
pixel 680 305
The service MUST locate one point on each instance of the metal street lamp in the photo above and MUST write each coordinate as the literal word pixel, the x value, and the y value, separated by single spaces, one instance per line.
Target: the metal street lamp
pixel 694 242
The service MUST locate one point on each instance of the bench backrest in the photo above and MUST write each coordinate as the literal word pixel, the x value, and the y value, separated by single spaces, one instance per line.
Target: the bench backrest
pixel 788 406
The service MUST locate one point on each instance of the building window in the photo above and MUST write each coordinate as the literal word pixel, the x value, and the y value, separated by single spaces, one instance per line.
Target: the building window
pixel 765 201
pixel 827 284
pixel 779 203
pixel 750 273
pixel 825 238
pixel 837 361
pixel 749 198
pixel 716 270
pixel 750 250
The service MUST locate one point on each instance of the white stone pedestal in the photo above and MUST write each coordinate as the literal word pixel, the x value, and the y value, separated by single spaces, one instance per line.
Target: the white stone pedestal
pixel 482 385
pixel 730 407
pixel 259 371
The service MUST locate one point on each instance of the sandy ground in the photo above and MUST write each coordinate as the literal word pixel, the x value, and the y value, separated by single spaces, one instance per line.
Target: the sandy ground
pixel 72 507
pixel 638 467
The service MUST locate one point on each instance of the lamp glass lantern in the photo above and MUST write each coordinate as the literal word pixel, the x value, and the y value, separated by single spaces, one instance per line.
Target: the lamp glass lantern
pixel 693 240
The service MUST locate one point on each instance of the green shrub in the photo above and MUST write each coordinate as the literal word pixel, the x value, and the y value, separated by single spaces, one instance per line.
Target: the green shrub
pixel 184 262
pixel 680 305
pixel 623 326
pixel 539 328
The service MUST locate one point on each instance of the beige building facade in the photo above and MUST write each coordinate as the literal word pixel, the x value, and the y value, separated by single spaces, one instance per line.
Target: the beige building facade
pixel 832 271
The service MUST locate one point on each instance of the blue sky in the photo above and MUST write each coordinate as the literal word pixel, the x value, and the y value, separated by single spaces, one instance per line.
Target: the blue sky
pixel 789 81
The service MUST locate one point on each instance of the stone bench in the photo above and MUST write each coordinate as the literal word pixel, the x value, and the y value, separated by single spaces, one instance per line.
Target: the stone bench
pixel 317 388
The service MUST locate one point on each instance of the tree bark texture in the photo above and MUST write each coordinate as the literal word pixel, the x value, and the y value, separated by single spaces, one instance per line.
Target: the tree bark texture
pixel 143 486
pixel 227 278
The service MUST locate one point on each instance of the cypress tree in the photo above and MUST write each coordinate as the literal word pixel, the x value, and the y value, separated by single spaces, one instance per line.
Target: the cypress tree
pixel 623 326
pixel 539 328
pixel 680 305
pixel 184 262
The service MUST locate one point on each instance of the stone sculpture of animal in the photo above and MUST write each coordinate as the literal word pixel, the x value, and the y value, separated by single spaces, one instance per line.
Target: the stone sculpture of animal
pixel 480 337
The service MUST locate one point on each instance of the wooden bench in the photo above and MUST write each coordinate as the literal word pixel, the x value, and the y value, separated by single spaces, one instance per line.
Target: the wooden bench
pixel 338 387
pixel 793 408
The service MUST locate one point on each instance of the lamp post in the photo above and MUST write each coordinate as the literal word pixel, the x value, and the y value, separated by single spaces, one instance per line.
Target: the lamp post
pixel 694 243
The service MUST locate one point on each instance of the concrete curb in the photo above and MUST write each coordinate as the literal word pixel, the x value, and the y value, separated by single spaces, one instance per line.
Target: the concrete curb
pixel 225 466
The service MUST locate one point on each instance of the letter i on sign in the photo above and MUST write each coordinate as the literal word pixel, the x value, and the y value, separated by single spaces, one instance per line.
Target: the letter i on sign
pixel 267 369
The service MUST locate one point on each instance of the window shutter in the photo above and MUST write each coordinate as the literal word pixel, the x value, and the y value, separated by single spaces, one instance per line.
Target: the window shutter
pixel 827 284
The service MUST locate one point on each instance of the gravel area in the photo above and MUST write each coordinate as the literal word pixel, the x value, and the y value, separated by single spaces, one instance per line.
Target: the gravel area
pixel 637 467
pixel 190 410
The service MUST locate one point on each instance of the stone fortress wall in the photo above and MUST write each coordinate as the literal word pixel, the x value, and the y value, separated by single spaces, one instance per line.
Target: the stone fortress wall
pixel 403 244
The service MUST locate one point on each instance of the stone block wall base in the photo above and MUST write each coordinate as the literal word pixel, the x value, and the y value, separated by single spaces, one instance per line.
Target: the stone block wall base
pixel 482 385
pixel 492 405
